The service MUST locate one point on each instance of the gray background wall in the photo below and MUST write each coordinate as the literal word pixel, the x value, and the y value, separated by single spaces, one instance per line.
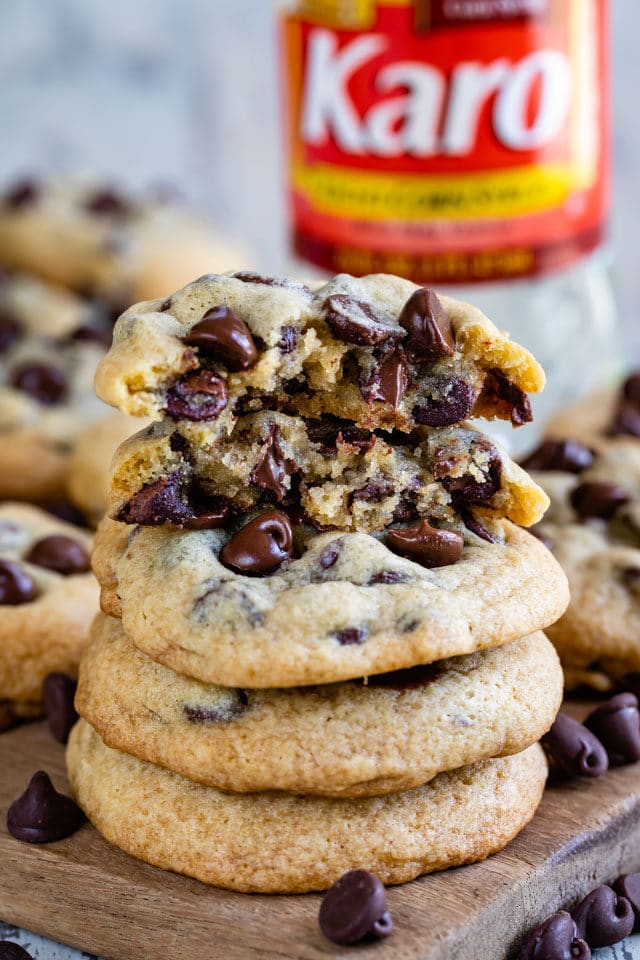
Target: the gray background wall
pixel 185 91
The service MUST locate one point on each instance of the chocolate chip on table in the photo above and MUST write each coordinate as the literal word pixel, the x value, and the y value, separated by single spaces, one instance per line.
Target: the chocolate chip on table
pixel 13 951
pixel 616 724
pixel 58 695
pixel 566 455
pixel 16 585
pixel 60 553
pixel 272 467
pixel 355 907
pixel 354 321
pixel 218 714
pixel 9 330
pixel 223 335
pixel 508 397
pixel 41 814
pixel 389 380
pixel 574 750
pixel 108 203
pixel 592 499
pixel 426 545
pixel 628 886
pixel 21 194
pixel 45 383
pixel 261 546
pixel 603 918
pixel 556 938
pixel 453 401
pixel 430 334
pixel 199 395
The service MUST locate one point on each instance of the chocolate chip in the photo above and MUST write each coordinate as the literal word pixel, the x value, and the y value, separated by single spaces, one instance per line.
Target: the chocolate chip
pixel 413 678
pixel 261 546
pixel 219 714
pixel 631 388
pixel 472 523
pixel 107 203
pixel 288 339
pixel 510 400
pixel 44 383
pixel 598 500
pixel 13 951
pixel 574 749
pixel 266 281
pixel 165 305
pixel 631 577
pixel 272 467
pixel 329 555
pixel 427 545
pixel 453 401
pixel 628 886
pixel 158 502
pixel 626 421
pixel 373 492
pixel 223 335
pixel 22 194
pixel 603 918
pixel 354 321
pixel 430 334
pixel 58 695
pixel 199 395
pixel 89 334
pixel 566 455
pixel 406 511
pixel 354 907
pixel 59 553
pixel 616 724
pixel 41 814
pixel 387 577
pixel 9 330
pixel 469 489
pixel 389 380
pixel 331 432
pixel 64 510
pixel 351 636
pixel 16 586
pixel 210 513
pixel 555 939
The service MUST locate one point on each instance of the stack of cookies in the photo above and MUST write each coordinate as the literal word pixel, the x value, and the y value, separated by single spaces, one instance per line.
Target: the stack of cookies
pixel 320 643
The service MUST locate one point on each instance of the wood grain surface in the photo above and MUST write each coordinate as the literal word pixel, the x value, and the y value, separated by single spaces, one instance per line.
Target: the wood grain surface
pixel 88 894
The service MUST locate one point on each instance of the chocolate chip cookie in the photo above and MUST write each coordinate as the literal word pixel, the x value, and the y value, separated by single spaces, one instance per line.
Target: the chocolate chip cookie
pixel 364 738
pixel 378 351
pixel 341 476
pixel 102 243
pixel 267 602
pixel 277 843
pixel 48 598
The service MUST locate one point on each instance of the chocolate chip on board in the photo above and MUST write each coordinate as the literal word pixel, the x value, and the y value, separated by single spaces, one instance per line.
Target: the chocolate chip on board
pixel 568 456
pixel 429 331
pixel 616 724
pixel 223 335
pixel 59 553
pixel 13 951
pixel 598 500
pixel 354 907
pixel 43 382
pixel 199 395
pixel 427 545
pixel 16 585
pixel 261 546
pixel 353 321
pixel 575 750
pixel 58 695
pixel 603 918
pixel 556 938
pixel 41 814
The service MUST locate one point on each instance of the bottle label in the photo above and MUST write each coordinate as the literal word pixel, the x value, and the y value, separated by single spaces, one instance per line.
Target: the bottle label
pixel 450 141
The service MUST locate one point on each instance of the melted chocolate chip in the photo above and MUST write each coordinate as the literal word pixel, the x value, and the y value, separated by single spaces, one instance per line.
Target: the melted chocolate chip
pixel 389 380
pixel 44 383
pixel 353 321
pixel 107 203
pixel 373 492
pixel 598 500
pixel 555 939
pixel 158 502
pixel 566 455
pixel 472 523
pixel 427 545
pixel 616 724
pixel 387 577
pixel 355 907
pixel 272 467
pixel 210 513
pixel 41 814
pixel 467 488
pixel 413 678
pixel 13 951
pixel 223 335
pixel 9 330
pixel 59 553
pixel 628 886
pixel 288 340
pixel 219 714
pixel 350 636
pixel 510 400
pixel 453 401
pixel 430 334
pixel 603 918
pixel 22 194
pixel 16 586
pixel 261 546
pixel 405 512
pixel 331 432
pixel 58 695
pixel 199 395
pixel 329 555
pixel 574 749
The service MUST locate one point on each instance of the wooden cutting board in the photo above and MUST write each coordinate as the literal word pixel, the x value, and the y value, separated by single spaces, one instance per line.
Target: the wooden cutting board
pixel 85 893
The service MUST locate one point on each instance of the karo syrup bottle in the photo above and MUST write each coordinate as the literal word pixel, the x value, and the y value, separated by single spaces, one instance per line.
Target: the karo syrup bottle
pixel 462 144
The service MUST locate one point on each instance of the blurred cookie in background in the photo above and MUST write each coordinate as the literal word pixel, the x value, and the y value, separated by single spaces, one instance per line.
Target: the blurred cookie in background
pixel 614 411
pixel 105 244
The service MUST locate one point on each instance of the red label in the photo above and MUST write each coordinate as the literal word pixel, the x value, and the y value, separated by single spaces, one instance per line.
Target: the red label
pixel 449 141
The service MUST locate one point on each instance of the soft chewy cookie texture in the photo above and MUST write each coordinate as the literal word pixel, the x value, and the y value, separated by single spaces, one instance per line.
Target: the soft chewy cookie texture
pixel 346 606
pixel 378 351
pixel 339 475
pixel 275 843
pixel 48 598
pixel 363 738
